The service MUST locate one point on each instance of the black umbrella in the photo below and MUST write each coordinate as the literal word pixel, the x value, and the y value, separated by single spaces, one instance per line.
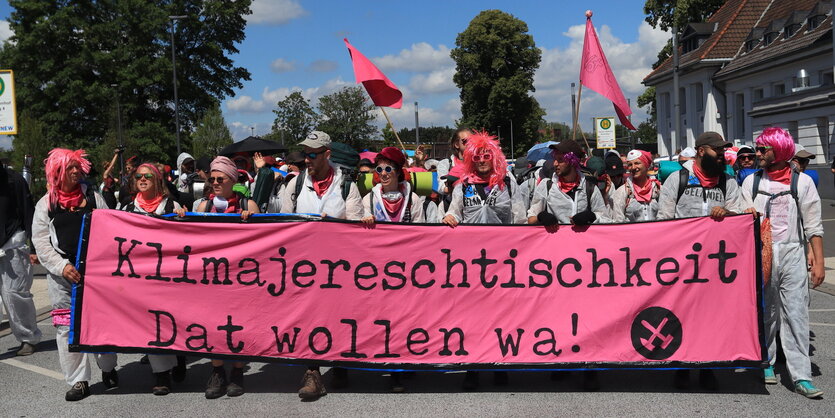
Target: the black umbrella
pixel 251 145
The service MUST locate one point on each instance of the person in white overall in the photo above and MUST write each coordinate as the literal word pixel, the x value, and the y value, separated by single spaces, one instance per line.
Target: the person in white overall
pixel 55 230
pixel 392 198
pixel 790 201
pixel 484 194
pixel 637 199
pixel 457 143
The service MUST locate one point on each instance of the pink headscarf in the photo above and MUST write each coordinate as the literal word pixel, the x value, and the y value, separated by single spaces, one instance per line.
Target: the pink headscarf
pixel 780 140
pixel 482 142
pixel 644 156
pixel 225 166
pixel 56 164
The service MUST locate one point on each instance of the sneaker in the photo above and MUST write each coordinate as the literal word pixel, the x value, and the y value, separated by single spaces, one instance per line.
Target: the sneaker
pixel 178 373
pixel 769 378
pixel 470 381
pixel 312 386
pixel 163 385
pixel 78 392
pixel 216 387
pixel 340 378
pixel 236 383
pixel 500 378
pixel 707 379
pixel 396 385
pixel 807 389
pixel 110 379
pixel 26 349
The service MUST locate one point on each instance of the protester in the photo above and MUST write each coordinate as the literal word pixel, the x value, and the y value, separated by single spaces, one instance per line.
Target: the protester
pixel 745 158
pixel 419 160
pixel 365 166
pixel 109 182
pixel 55 232
pixel 185 173
pixel 16 211
pixel 485 193
pixel 322 188
pixel 457 144
pixel 574 198
pixel 613 176
pixel 703 189
pixel 791 206
pixel 152 197
pixel 637 200
pixel 392 198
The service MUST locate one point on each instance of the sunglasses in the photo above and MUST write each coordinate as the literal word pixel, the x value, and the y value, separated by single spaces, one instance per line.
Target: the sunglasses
pixel 482 157
pixel 313 155
pixel 387 169
pixel 146 175
pixel 763 149
pixel 218 180
pixel 746 157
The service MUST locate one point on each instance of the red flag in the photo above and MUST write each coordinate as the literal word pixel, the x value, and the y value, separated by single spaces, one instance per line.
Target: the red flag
pixel 596 74
pixel 382 91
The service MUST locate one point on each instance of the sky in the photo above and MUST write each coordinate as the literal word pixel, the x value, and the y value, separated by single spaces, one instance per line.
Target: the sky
pixel 296 45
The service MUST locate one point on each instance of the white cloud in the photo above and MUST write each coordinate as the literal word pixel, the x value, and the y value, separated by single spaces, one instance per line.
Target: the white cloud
pixel 421 57
pixel 436 82
pixel 275 12
pixel 281 65
pixel 630 62
pixel 323 66
pixel 5 31
pixel 245 104
pixel 5 142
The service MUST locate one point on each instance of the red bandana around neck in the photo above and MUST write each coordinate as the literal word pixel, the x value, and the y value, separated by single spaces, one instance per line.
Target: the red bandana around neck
pixel 704 180
pixel 566 186
pixel 643 192
pixel 321 186
pixel 72 199
pixel 149 206
pixel 782 175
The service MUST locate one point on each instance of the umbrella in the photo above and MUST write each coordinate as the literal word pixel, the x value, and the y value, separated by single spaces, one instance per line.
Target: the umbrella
pixel 540 151
pixel 251 145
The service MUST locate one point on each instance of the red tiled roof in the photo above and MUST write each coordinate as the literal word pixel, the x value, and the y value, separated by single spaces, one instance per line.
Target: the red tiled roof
pixel 735 19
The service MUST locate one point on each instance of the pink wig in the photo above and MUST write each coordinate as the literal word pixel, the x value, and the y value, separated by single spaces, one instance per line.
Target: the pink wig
pixel 780 140
pixel 482 142
pixel 56 166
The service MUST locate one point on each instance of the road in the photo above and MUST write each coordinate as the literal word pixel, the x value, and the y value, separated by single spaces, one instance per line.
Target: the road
pixel 34 386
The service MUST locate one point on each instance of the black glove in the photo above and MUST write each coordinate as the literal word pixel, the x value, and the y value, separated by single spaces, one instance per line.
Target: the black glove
pixel 546 218
pixel 585 217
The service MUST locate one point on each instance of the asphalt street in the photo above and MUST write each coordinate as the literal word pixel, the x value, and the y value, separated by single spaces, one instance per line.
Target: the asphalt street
pixel 34 385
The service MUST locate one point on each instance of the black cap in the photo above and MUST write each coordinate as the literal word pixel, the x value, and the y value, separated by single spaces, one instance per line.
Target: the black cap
pixel 203 163
pixel 745 150
pixel 568 145
pixel 365 162
pixel 614 165
pixel 712 139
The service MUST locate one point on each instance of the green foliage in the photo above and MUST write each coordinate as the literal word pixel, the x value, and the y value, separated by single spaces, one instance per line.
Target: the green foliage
pixel 211 134
pixel 67 55
pixel 347 116
pixel 647 132
pixel 668 13
pixel 495 61
pixel 647 98
pixel 295 116
pixel 31 140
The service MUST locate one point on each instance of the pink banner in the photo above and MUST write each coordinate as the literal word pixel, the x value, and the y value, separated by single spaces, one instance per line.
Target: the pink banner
pixel 681 292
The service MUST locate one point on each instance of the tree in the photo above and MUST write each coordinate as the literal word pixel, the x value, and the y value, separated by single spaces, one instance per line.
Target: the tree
pixel 211 134
pixel 347 116
pixel 668 13
pixel 31 140
pixel 647 133
pixel 67 55
pixel 295 116
pixel 495 61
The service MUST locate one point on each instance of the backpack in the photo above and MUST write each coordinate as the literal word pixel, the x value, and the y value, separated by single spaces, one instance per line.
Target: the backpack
pixel 243 199
pixel 684 178
pixel 758 175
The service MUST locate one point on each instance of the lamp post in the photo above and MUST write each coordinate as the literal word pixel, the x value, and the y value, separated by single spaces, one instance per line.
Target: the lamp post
pixel 119 129
pixel 174 67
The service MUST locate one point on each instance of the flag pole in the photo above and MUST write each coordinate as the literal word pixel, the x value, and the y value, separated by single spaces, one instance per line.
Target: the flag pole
pixel 577 117
pixel 392 128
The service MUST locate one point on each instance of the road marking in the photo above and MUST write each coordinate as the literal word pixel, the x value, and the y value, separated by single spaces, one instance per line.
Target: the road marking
pixel 820 324
pixel 32 368
pixel 821 310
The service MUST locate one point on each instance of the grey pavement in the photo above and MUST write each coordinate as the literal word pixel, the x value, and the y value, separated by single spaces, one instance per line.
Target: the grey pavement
pixel 34 385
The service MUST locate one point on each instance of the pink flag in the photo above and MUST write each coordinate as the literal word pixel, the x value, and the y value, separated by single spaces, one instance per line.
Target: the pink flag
pixel 596 74
pixel 382 91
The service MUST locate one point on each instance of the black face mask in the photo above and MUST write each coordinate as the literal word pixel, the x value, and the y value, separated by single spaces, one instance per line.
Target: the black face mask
pixel 712 167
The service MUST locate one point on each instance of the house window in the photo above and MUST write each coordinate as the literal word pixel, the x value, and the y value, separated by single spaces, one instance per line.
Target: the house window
pixel 749 45
pixel 816 21
pixel 791 30
pixel 665 104
pixel 740 116
pixel 826 78
pixel 779 90
pixel 698 97
pixel 769 38
pixel 682 101
pixel 758 94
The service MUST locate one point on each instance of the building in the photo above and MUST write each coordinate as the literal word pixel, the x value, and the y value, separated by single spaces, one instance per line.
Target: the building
pixel 753 64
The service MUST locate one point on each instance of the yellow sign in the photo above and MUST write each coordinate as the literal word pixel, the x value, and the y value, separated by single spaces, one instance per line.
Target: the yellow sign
pixel 8 108
pixel 604 129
